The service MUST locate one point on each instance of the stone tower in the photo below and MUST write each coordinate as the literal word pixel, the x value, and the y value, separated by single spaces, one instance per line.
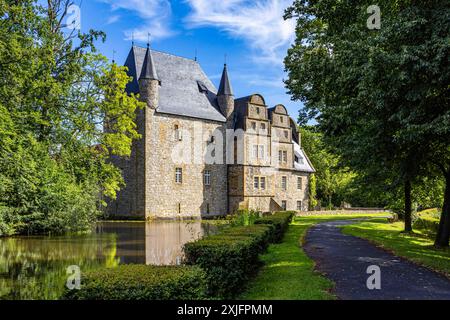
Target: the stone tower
pixel 149 93
pixel 225 97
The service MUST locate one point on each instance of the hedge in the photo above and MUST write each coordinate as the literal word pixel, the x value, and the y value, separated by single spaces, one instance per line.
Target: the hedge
pixel 141 282
pixel 231 257
pixel 280 221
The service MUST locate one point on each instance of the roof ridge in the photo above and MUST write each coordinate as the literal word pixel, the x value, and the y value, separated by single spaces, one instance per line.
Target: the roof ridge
pixel 166 53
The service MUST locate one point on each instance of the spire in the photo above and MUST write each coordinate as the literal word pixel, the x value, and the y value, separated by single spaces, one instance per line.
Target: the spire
pixel 225 86
pixel 148 68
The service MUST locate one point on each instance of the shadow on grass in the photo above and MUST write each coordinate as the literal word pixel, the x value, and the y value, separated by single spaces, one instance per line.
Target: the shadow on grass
pixel 416 247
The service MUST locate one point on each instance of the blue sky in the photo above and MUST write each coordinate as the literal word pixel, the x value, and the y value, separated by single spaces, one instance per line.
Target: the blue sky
pixel 252 34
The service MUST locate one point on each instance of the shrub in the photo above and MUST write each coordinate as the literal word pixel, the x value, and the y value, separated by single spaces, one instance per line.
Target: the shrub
pixel 244 217
pixel 141 282
pixel 229 258
pixel 280 222
pixel 426 224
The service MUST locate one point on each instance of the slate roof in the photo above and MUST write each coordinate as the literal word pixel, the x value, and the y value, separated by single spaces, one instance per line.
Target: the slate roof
pixel 149 70
pixel 179 93
pixel 225 86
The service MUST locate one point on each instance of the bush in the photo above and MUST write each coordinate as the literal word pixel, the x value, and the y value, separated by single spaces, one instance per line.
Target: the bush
pixel 141 282
pixel 280 222
pixel 229 258
pixel 427 221
pixel 244 217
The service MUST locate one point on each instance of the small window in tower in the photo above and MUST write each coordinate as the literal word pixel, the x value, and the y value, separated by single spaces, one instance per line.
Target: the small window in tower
pixel 178 136
pixel 299 183
pixel 179 175
pixel 285 156
pixel 284 205
pixel 207 208
pixel 286 134
pixel 258 111
pixel 263 126
pixel 299 206
pixel 281 119
pixel 280 156
pixel 179 207
pixel 253 124
pixel 207 178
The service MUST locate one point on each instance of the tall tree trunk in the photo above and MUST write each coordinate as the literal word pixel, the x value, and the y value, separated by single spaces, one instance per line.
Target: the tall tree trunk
pixel 443 235
pixel 408 224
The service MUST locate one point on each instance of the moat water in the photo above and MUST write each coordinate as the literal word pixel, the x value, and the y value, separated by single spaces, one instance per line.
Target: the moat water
pixel 35 267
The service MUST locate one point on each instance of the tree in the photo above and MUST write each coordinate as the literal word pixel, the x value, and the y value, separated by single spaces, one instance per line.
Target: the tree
pixel 56 91
pixel 379 95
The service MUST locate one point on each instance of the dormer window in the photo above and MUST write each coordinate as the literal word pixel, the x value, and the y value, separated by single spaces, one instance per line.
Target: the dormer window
pixel 202 87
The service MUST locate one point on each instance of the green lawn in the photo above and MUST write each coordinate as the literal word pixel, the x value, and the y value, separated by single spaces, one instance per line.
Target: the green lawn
pixel 288 274
pixel 417 247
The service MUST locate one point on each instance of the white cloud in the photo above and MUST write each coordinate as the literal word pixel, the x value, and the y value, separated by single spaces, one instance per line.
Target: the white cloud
pixel 113 19
pixel 155 14
pixel 259 22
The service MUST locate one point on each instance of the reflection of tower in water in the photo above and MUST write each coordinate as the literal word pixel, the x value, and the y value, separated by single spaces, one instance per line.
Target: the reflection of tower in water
pixel 164 240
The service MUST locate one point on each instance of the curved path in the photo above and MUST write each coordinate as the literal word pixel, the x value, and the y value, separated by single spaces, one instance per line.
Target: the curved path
pixel 344 259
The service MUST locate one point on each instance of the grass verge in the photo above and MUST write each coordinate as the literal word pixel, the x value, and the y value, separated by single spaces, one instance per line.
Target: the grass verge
pixel 417 247
pixel 288 273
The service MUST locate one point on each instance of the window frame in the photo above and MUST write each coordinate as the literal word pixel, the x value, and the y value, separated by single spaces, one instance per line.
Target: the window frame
pixel 179 175
pixel 299 183
pixel 207 178
pixel 284 183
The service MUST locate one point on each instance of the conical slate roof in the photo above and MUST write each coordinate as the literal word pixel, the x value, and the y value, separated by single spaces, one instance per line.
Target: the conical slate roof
pixel 148 69
pixel 225 86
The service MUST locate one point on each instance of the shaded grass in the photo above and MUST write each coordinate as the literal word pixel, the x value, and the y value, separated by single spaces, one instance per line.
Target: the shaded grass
pixel 417 247
pixel 288 273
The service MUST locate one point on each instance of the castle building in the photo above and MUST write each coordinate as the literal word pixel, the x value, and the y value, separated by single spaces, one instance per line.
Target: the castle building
pixel 204 152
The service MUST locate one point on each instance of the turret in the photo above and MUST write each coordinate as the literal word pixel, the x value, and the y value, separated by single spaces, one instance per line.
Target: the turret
pixel 149 82
pixel 225 97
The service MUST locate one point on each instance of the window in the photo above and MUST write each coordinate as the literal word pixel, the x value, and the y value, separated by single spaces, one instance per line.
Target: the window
pixel 179 175
pixel 178 136
pixel 263 126
pixel 213 139
pixel 284 183
pixel 179 207
pixel 258 111
pixel 301 160
pixel 262 183
pixel 253 125
pixel 280 156
pixel 261 152
pixel 284 205
pixel 299 183
pixel 207 178
pixel 285 156
pixel 286 134
pixel 256 182
pixel 299 206
pixel 255 152
pixel 207 208
pixel 281 119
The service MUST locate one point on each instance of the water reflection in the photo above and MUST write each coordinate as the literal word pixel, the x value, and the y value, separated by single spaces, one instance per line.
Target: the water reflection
pixel 35 267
